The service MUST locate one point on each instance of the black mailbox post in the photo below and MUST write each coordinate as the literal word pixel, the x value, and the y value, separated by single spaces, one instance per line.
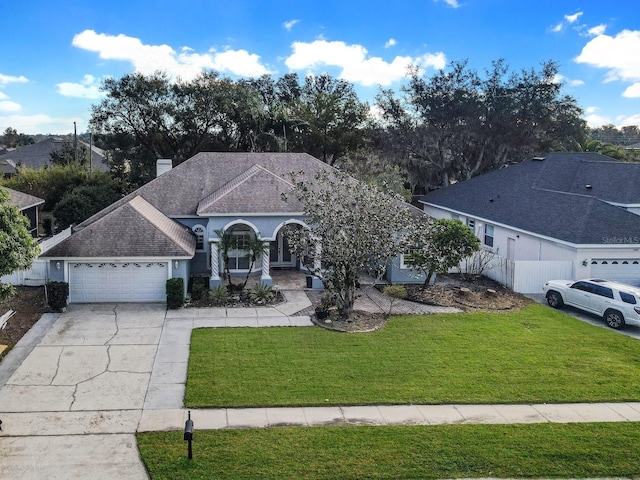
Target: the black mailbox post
pixel 188 433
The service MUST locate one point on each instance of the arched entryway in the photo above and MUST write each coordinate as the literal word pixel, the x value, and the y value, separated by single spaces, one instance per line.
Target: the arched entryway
pixel 281 256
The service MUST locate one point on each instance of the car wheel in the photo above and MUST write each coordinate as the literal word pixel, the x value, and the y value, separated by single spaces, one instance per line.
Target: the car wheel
pixel 614 319
pixel 554 299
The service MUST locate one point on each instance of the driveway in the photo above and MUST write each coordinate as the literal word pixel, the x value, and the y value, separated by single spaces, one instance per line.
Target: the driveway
pixel 74 389
pixel 72 406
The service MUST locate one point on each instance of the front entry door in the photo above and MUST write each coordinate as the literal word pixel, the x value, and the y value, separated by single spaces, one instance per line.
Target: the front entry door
pixel 281 256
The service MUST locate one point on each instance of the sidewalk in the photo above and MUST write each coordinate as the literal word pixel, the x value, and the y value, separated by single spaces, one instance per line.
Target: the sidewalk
pixel 213 419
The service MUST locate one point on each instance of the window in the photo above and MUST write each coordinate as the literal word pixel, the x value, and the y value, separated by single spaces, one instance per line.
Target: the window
pixel 604 291
pixel 199 231
pixel 471 223
pixel 488 235
pixel 238 256
pixel 405 260
pixel 628 298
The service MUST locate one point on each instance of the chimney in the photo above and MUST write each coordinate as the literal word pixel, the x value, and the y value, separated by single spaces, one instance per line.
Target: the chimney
pixel 163 165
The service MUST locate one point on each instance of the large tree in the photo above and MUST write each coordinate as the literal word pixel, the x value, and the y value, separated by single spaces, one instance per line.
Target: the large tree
pixel 358 227
pixel 18 249
pixel 458 123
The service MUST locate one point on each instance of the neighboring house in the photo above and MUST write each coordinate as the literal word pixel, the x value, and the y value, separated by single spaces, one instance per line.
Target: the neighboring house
pixel 566 215
pixel 7 168
pixel 28 206
pixel 38 155
pixel 167 228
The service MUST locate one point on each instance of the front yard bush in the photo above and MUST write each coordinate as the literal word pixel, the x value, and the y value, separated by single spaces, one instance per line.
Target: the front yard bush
pixel 262 294
pixel 219 296
pixel 57 292
pixel 175 293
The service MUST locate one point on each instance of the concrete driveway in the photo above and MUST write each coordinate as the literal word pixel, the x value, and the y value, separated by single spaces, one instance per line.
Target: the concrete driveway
pixel 71 407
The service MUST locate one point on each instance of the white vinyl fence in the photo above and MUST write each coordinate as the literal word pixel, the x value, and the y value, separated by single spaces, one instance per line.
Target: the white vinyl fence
pixel 38 274
pixel 527 276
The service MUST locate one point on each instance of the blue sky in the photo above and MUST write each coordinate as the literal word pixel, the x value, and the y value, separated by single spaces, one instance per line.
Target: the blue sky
pixel 55 53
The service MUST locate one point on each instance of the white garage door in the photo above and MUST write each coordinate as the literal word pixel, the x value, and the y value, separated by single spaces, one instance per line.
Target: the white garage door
pixel 117 282
pixel 616 269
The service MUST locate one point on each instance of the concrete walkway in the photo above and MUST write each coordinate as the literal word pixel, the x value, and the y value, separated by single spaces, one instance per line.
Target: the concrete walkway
pixel 79 385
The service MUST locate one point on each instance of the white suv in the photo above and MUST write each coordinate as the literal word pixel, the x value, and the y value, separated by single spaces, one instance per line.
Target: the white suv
pixel 617 303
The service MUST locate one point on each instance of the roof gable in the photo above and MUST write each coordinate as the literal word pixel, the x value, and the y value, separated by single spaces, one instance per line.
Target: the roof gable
pixel 256 190
pixel 134 229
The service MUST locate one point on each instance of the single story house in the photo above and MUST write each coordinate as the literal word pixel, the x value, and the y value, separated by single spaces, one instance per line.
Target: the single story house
pixel 28 206
pixel 168 228
pixel 564 215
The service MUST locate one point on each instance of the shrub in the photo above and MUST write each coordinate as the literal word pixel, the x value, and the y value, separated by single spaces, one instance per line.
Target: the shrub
pixel 198 289
pixel 262 293
pixel 219 296
pixel 6 291
pixel 175 293
pixel 57 293
pixel 395 291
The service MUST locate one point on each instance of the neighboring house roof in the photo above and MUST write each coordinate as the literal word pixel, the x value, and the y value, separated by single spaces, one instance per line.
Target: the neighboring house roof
pixel 134 229
pixel 633 146
pixel 7 167
pixel 550 197
pixel 38 155
pixel 23 200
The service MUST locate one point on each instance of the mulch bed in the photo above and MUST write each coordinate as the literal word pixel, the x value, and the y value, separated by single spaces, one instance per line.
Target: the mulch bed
pixel 29 305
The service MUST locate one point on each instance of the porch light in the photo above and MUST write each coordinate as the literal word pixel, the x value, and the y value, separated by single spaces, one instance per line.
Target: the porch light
pixel 175 264
pixel 58 265
pixel 584 263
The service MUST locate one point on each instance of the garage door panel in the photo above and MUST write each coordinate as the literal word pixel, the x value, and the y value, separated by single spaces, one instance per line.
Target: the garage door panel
pixel 117 282
pixel 616 269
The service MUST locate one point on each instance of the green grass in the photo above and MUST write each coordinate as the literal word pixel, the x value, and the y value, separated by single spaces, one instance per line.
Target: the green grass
pixel 534 355
pixel 455 451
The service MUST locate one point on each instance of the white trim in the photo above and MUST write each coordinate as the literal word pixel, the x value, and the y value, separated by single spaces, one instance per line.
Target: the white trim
pixel 240 221
pixel 282 225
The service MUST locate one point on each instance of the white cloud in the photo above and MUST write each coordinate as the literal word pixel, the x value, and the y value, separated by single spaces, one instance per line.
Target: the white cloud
pixel 87 88
pixel 573 18
pixel 41 123
pixel 390 43
pixel 9 106
pixel 148 59
pixel 451 3
pixel 559 78
pixel 6 79
pixel 597 30
pixel 624 121
pixel 557 28
pixel 619 55
pixel 356 66
pixel 594 120
pixel 632 91
pixel 3 96
pixel 290 24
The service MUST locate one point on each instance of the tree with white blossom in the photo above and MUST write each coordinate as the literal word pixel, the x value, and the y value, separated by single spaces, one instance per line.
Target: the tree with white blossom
pixel 358 227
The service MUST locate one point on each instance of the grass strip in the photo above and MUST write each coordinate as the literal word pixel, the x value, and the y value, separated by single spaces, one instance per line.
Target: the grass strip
pixel 392 452
pixel 535 355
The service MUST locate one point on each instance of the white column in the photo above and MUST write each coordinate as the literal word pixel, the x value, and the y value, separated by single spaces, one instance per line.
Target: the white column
pixel 266 258
pixel 316 259
pixel 215 262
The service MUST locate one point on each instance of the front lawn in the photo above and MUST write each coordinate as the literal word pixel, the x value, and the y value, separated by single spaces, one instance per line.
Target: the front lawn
pixel 420 452
pixel 534 355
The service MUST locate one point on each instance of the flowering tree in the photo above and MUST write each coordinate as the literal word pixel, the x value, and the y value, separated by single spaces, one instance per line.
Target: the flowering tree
pixel 358 227
pixel 440 245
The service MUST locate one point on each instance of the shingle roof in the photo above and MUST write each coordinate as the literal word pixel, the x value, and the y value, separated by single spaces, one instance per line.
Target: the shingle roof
pixel 134 229
pixel 550 197
pixel 23 200
pixel 38 155
pixel 203 178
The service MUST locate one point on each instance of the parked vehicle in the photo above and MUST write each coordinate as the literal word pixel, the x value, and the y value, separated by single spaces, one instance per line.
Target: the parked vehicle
pixel 618 304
